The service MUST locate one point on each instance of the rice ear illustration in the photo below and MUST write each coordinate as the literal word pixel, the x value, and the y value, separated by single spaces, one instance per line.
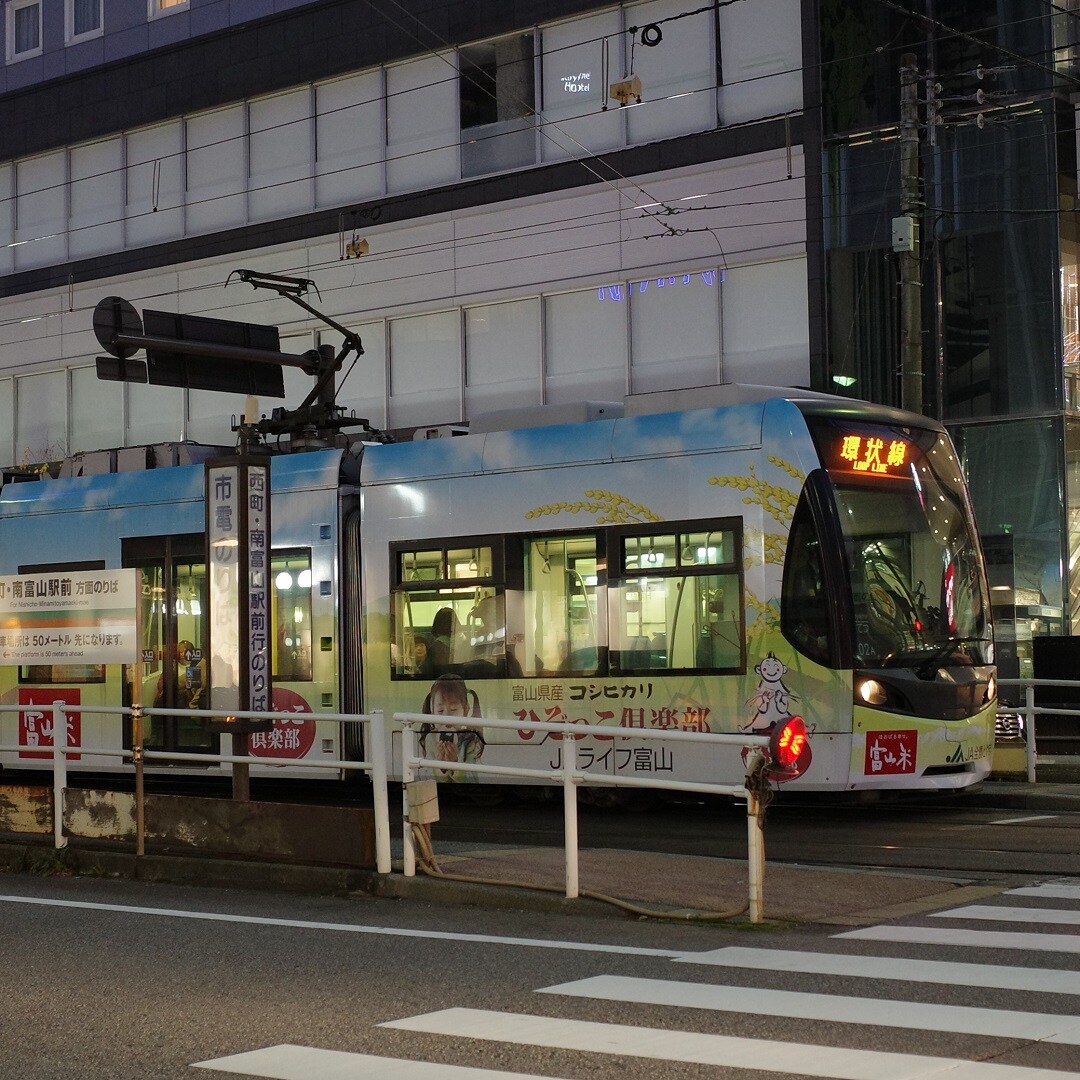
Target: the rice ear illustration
pixel 610 508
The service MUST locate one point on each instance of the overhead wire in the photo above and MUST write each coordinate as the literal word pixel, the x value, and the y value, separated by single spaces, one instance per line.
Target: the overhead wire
pixel 244 136
pixel 390 159
pixel 183 205
pixel 308 179
pixel 597 217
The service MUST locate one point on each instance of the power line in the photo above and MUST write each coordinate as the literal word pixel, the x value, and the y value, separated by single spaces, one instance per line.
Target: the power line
pixel 310 179
pixel 314 118
pixel 596 217
pixel 952 31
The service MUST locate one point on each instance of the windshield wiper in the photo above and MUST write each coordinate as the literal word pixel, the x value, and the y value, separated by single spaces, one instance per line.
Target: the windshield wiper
pixel 928 655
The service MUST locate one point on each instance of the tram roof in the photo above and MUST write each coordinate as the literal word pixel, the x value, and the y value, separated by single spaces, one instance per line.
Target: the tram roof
pixel 728 417
pixel 171 484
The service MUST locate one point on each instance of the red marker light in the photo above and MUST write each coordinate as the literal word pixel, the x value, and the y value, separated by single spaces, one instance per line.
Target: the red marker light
pixel 790 743
pixel 789 749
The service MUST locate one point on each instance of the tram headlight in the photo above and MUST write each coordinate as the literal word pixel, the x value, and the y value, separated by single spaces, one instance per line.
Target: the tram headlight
pixel 872 692
pixel 991 689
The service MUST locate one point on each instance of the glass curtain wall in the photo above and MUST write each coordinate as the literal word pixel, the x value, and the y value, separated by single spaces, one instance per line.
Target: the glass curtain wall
pixel 1001 315
pixel 1022 528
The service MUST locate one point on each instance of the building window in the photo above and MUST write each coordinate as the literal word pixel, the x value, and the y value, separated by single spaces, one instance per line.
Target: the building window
pixel 82 20
pixel 156 8
pixel 23 30
pixel 498 105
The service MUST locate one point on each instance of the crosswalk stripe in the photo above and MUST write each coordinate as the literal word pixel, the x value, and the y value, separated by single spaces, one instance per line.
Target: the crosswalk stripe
pixel 1043 916
pixel 889 967
pixel 763 1055
pixel 1023 820
pixel 290 1062
pixel 1049 890
pixel 347 928
pixel 833 1008
pixel 981 939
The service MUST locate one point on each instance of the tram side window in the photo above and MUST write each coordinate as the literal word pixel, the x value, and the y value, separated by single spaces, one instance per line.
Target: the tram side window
pixel 804 612
pixel 561 616
pixel 290 613
pixel 449 611
pixel 676 600
pixel 61 674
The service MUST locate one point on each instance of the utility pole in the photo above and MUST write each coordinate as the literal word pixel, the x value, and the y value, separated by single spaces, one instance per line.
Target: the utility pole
pixel 905 238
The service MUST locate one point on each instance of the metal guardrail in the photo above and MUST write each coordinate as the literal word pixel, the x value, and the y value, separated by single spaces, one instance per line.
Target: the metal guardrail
pixel 61 750
pixel 1029 710
pixel 572 778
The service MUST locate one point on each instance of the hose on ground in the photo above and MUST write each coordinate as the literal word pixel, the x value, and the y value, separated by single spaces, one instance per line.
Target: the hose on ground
pixel 428 864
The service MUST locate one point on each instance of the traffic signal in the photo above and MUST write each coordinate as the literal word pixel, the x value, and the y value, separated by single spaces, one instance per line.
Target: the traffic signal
pixel 789 750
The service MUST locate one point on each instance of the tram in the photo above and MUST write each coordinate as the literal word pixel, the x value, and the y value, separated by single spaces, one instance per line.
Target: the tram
pixel 720 568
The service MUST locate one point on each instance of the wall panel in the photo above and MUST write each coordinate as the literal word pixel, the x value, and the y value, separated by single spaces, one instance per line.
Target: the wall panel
pixel 350 139
pixel 216 169
pixel 154 196
pixel 96 211
pixel 280 155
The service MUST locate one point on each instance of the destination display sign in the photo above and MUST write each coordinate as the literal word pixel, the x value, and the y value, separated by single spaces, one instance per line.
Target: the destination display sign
pixel 69 617
pixel 874 454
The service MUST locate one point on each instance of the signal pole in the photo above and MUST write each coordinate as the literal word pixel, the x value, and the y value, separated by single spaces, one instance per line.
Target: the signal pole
pixel 906 240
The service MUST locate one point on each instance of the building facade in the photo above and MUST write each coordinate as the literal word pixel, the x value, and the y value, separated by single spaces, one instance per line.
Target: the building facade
pixel 529 239
pixel 997 308
pixel 467 191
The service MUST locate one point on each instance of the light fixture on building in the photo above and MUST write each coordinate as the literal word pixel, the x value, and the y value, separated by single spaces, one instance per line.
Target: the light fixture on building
pixel 625 89
pixel 355 248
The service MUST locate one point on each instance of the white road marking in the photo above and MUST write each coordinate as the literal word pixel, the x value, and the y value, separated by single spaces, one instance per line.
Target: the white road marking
pixel 348 928
pixel 1049 980
pixel 1023 820
pixel 980 939
pixel 1042 916
pixel 833 1008
pixel 760 1055
pixel 1051 890
pixel 289 1062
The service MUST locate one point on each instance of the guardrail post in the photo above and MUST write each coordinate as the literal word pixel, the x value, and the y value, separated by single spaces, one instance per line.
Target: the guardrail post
pixel 408 752
pixel 755 854
pixel 570 815
pixel 59 719
pixel 1029 731
pixel 376 744
pixel 140 779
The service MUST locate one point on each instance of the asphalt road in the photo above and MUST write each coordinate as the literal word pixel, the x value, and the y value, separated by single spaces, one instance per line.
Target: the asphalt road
pixel 127 981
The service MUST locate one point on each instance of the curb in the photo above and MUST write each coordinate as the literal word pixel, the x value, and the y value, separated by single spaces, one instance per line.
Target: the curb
pixel 181 869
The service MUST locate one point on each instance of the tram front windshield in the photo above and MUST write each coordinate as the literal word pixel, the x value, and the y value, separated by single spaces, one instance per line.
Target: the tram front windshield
pixel 918 589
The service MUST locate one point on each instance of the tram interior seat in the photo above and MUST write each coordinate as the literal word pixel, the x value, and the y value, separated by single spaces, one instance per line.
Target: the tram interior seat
pixel 641 654
pixel 585 660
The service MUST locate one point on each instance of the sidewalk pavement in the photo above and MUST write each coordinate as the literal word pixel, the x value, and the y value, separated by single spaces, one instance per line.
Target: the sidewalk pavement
pixel 681 887
pixel 686 886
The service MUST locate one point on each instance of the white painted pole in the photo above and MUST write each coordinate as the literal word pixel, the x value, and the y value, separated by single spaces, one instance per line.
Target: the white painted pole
pixel 408 752
pixel 570 815
pixel 59 719
pixel 376 754
pixel 755 853
pixel 1029 731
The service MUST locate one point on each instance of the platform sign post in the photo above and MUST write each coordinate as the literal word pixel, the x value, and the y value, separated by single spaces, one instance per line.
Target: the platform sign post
pixel 69 617
pixel 238 543
pixel 86 617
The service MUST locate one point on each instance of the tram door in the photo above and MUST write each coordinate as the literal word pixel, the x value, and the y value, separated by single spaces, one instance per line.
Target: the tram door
pixel 174 670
